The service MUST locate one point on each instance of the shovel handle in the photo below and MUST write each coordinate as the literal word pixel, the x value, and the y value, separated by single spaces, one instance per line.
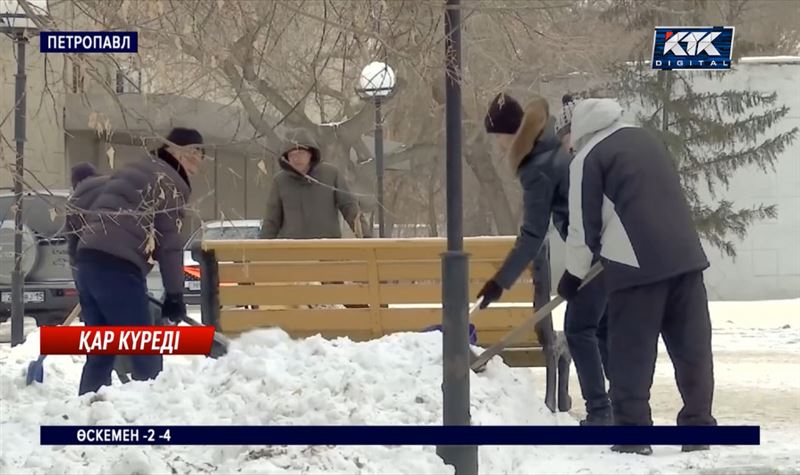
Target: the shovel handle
pixel 475 307
pixel 512 336
pixel 76 310
pixel 218 337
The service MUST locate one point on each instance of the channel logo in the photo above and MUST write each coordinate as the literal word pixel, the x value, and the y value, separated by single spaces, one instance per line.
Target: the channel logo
pixel 698 48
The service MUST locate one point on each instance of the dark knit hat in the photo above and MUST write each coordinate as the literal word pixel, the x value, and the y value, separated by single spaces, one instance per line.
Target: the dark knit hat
pixel 183 136
pixel 81 172
pixel 504 116
pixel 564 119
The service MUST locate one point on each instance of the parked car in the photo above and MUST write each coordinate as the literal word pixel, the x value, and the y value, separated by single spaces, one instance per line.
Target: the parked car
pixel 214 230
pixel 48 288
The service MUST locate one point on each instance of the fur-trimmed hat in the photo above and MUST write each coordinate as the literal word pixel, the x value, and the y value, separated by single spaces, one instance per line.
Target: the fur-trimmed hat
pixel 535 119
pixel 564 119
pixel 504 116
pixel 182 137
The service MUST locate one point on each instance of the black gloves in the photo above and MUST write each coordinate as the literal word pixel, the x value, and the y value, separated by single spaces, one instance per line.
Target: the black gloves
pixel 173 308
pixel 491 292
pixel 568 286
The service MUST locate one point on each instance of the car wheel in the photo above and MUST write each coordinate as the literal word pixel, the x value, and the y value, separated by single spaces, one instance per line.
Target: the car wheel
pixel 7 253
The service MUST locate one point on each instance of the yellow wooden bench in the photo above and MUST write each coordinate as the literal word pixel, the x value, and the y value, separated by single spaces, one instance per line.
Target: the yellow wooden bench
pixel 364 289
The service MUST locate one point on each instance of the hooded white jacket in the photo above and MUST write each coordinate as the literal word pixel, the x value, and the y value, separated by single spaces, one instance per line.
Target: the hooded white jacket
pixel 626 203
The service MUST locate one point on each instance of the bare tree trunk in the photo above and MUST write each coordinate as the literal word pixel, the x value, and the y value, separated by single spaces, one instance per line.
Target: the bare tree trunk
pixel 491 186
pixel 484 227
pixel 395 195
pixel 433 224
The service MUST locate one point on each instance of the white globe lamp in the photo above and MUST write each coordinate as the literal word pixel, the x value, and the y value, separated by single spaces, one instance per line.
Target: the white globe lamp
pixel 377 79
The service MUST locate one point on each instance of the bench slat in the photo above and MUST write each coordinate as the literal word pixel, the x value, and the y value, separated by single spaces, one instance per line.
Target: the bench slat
pixel 293 294
pixel 426 293
pixel 353 335
pixel 492 324
pixel 353 293
pixel 439 244
pixel 523 357
pixel 270 272
pixel 404 270
pixel 298 320
pixel 420 251
pixel 260 250
pixel 293 272
pixel 253 253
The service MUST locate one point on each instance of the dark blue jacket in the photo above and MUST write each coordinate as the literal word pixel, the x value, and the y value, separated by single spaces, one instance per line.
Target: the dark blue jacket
pixel 138 215
pixel 542 166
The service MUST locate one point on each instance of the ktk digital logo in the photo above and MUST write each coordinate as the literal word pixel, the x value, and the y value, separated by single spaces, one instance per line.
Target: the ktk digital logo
pixel 696 48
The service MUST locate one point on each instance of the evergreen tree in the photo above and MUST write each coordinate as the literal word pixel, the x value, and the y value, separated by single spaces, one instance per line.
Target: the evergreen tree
pixel 710 135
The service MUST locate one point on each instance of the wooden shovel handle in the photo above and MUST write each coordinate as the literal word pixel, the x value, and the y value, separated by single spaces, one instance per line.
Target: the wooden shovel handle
pixel 72 315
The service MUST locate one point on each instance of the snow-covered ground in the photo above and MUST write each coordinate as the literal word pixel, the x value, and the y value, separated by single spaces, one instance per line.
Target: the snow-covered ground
pixel 269 379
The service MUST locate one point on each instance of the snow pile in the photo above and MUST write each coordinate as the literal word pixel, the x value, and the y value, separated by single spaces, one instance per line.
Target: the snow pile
pixel 267 378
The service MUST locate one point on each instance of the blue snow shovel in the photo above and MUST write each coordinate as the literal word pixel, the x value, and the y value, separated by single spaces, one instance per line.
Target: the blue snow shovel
pixel 473 335
pixel 36 368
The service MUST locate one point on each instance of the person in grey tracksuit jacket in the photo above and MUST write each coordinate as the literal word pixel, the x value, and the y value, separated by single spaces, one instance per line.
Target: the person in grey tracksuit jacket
pixel 133 222
pixel 626 204
pixel 585 318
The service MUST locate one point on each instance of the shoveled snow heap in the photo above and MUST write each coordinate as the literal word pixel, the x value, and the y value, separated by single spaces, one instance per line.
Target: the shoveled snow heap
pixel 265 379
pixel 268 378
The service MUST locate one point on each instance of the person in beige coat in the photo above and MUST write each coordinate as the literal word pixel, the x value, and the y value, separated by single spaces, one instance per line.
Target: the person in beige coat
pixel 307 196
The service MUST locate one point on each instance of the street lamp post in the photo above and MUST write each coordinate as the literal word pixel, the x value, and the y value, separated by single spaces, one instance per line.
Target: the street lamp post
pixel 455 268
pixel 377 81
pixel 16 24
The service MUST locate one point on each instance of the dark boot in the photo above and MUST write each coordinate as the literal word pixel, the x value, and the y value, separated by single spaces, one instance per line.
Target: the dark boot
pixel 632 449
pixel 602 417
pixel 694 448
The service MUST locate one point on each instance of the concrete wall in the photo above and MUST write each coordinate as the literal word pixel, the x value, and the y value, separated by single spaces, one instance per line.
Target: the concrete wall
pixel 44 148
pixel 768 261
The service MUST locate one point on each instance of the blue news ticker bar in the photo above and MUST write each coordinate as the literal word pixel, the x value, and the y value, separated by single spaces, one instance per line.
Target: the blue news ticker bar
pixel 398 435
pixel 89 41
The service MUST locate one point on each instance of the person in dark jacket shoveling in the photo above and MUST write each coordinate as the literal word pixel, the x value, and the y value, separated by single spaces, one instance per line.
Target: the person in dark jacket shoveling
pixel 518 132
pixel 541 162
pixel 86 185
pixel 135 221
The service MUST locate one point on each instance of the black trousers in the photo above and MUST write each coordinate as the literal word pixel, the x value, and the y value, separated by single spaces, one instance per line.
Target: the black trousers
pixel 541 295
pixel 677 309
pixel 585 326
pixel 113 292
